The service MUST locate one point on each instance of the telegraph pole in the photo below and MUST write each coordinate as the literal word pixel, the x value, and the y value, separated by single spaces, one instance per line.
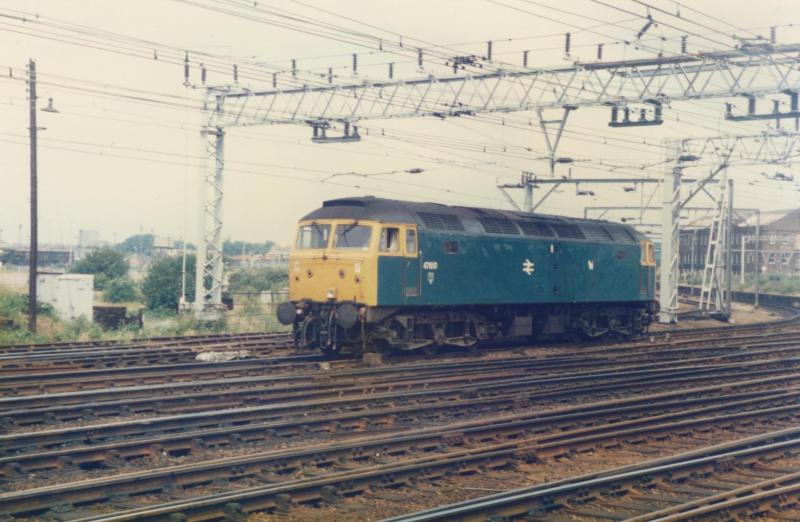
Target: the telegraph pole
pixel 34 248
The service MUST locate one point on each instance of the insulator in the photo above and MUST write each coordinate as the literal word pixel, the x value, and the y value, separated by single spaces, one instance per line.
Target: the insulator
pixel 202 73
pixel 155 54
pixel 355 63
pixel 391 71
pixel 643 115
pixel 524 58
pixel 235 73
pixel 274 80
pixel 772 35
pixel 489 50
pixel 683 44
pixel 567 42
pixel 186 69
pixel 380 44
pixel 614 113
pixel 330 74
pixel 599 51
pixel 294 67
pixel 419 57
pixel 626 115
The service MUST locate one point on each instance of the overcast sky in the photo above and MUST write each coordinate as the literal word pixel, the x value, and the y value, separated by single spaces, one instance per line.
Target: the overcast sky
pixel 120 157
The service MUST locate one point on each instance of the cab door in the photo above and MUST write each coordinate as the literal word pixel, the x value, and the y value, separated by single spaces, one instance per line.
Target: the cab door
pixel 412 284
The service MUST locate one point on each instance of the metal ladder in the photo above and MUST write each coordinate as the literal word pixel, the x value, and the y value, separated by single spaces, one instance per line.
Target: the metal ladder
pixel 712 287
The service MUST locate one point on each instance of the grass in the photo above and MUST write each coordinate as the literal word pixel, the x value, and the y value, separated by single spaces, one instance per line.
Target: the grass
pixel 250 315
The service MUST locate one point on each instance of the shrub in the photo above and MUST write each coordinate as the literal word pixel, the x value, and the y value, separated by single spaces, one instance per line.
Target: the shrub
pixel 105 264
pixel 120 290
pixel 161 286
pixel 256 280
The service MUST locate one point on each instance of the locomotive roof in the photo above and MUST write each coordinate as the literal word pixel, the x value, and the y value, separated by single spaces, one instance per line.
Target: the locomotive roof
pixel 467 219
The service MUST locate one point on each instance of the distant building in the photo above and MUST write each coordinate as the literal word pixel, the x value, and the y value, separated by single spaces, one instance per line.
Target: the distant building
pixel 779 243
pixel 48 256
pixel 88 242
pixel 88 238
pixel 275 258
pixel 164 247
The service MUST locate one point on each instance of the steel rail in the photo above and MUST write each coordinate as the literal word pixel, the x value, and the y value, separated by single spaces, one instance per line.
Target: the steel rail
pixel 279 403
pixel 442 369
pixel 520 501
pixel 185 443
pixel 347 482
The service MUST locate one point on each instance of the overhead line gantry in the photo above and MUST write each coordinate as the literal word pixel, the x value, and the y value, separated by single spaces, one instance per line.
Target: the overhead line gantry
pixel 721 74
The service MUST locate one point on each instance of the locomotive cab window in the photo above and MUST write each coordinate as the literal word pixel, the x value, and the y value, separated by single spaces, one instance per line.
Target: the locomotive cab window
pixel 313 236
pixel 411 242
pixel 352 236
pixel 390 239
pixel 450 247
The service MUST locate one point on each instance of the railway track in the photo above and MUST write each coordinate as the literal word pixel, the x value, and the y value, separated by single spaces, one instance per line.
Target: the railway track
pixel 23 457
pixel 751 479
pixel 66 380
pixel 239 392
pixel 131 355
pixel 141 431
pixel 395 461
pixel 183 340
pixel 427 387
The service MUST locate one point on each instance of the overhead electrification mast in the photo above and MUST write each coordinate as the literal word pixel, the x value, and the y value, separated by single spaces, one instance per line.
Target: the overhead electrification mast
pixel 654 81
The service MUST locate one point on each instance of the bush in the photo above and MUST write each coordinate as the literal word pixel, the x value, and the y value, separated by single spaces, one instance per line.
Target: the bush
pixel 161 286
pixel 12 304
pixel 120 290
pixel 105 264
pixel 256 280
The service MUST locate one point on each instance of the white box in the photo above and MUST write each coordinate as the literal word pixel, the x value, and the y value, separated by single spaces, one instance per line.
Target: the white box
pixel 70 295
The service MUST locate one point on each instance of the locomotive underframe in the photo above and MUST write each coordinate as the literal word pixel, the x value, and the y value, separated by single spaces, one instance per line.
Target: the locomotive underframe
pixel 319 325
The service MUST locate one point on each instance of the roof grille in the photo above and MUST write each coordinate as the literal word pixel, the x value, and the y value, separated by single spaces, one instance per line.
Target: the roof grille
pixel 568 231
pixel 622 235
pixel 498 226
pixel 440 221
pixel 535 228
pixel 595 232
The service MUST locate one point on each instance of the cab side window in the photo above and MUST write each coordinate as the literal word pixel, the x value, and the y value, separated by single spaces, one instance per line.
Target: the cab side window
pixel 390 240
pixel 411 242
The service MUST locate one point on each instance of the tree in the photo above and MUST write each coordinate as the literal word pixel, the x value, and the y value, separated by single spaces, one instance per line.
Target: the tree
pixel 120 290
pixel 235 248
pixel 161 286
pixel 138 244
pixel 258 279
pixel 105 264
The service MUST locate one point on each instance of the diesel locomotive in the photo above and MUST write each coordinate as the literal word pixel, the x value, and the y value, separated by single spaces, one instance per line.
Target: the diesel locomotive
pixel 373 274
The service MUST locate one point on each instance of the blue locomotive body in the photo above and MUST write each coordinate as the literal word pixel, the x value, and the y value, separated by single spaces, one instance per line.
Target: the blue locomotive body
pixel 434 274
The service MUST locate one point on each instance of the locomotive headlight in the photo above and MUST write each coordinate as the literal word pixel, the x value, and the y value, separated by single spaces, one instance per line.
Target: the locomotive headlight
pixel 331 293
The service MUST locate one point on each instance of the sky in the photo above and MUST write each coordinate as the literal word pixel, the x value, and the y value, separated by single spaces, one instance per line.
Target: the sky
pixel 122 155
